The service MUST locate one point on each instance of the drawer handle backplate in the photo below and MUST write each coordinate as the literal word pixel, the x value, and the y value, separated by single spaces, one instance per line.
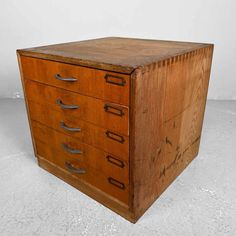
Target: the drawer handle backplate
pixel 116 183
pixel 57 76
pixel 114 79
pixel 64 106
pixel 67 128
pixel 73 169
pixel 113 110
pixel 115 137
pixel 70 150
pixel 115 161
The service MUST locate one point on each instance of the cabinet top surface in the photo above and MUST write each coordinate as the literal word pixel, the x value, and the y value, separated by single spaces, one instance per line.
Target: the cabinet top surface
pixel 112 53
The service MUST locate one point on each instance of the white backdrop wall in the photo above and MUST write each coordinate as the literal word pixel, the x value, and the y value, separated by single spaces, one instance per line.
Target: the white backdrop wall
pixel 28 23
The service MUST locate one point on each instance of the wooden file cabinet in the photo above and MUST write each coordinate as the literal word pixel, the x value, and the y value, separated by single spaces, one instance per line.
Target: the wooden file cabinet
pixel 117 118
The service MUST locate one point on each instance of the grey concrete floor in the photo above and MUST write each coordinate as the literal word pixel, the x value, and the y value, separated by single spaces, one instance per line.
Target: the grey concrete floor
pixel 202 200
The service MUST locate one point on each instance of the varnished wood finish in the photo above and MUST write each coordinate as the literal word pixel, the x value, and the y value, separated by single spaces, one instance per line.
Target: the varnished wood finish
pixel 90 157
pixel 112 53
pixel 93 161
pixel 90 134
pixel 90 109
pixel 95 193
pixel 158 114
pixel 89 82
pixel 166 125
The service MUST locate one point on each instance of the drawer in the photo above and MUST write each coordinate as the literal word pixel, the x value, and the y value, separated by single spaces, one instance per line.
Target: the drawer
pixel 108 115
pixel 113 87
pixel 84 131
pixel 98 168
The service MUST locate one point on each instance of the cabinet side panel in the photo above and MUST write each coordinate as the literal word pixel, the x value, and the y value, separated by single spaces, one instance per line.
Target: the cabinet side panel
pixel 26 100
pixel 168 102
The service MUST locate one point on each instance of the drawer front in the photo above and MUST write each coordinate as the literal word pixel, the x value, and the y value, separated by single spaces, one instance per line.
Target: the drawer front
pixel 107 115
pixel 83 131
pixel 98 168
pixel 113 87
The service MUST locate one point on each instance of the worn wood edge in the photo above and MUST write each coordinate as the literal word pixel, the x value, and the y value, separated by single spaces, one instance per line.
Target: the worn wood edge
pixel 26 101
pixel 198 44
pixel 210 48
pixel 96 194
pixel 142 70
pixel 31 52
pixel 131 138
pixel 79 62
pixel 166 61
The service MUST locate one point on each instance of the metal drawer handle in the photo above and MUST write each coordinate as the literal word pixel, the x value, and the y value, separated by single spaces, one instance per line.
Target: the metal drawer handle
pixel 57 76
pixel 115 161
pixel 113 110
pixel 65 127
pixel 64 106
pixel 115 137
pixel 73 169
pixel 114 79
pixel 116 183
pixel 70 150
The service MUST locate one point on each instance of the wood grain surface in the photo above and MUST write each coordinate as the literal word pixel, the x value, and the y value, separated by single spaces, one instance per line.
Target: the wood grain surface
pixel 112 53
pixel 89 133
pixel 166 125
pixel 90 157
pixel 102 197
pixel 98 170
pixel 90 109
pixel 89 82
pixel 141 102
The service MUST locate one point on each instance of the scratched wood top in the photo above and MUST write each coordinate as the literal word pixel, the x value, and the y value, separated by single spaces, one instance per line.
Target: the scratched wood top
pixel 112 53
